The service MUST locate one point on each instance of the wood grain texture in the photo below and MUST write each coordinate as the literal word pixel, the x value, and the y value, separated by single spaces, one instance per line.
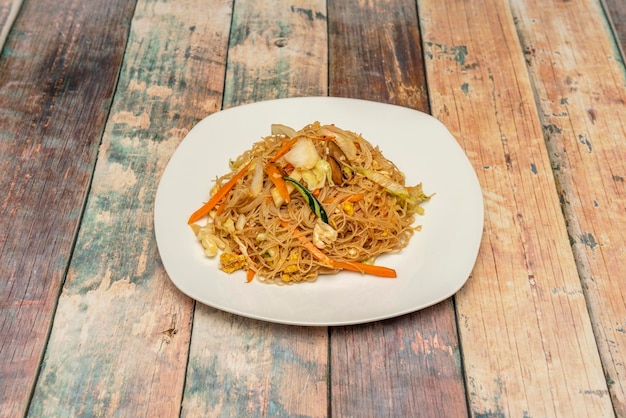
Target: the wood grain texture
pixel 376 52
pixel 408 366
pixel 579 78
pixel 120 340
pixel 276 51
pixel 8 13
pixel 54 98
pixel 238 366
pixel 616 14
pixel 528 344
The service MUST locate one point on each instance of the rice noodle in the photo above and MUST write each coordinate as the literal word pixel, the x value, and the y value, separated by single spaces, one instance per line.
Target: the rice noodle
pixel 377 222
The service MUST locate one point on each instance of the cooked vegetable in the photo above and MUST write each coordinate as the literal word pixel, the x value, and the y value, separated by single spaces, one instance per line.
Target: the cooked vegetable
pixel 276 177
pixel 279 129
pixel 413 197
pixel 342 265
pixel 219 195
pixel 314 204
pixel 303 155
pixel 257 179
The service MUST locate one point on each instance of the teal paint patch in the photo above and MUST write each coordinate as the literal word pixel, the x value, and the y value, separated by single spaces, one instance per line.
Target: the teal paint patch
pixel 309 13
pixel 458 53
pixel 203 375
pixel 490 414
pixel 589 240
pixel 583 140
pixel 465 88
pixel 533 168
pixel 551 129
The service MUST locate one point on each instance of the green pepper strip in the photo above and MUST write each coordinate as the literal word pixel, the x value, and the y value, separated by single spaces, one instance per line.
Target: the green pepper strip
pixel 315 205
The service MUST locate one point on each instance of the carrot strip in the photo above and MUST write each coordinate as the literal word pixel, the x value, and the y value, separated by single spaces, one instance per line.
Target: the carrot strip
pixel 342 265
pixel 284 149
pixel 355 197
pixel 214 200
pixel 366 268
pixel 277 178
pixel 250 275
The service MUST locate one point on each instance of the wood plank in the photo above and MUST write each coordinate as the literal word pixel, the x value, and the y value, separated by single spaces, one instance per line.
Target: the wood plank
pixel 616 14
pixel 580 80
pixel 8 13
pixel 528 344
pixel 54 99
pixel 276 50
pixel 120 340
pixel 408 366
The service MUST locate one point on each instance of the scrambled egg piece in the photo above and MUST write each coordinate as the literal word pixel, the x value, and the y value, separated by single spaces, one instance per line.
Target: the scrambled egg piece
pixel 348 207
pixel 290 274
pixel 231 262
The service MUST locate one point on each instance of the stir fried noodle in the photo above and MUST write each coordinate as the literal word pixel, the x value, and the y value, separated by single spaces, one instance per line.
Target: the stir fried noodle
pixel 300 204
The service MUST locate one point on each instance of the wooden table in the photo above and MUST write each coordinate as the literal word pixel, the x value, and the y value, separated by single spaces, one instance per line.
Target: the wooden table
pixel 96 95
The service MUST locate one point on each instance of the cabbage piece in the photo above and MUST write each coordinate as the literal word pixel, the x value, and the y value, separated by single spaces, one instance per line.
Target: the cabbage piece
pixel 257 179
pixel 279 129
pixel 315 178
pixel 413 197
pixel 323 234
pixel 303 155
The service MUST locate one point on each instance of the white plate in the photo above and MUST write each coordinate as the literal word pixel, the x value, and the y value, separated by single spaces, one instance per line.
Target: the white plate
pixel 433 267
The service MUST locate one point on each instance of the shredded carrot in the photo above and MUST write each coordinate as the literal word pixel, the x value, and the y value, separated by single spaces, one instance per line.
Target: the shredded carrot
pixel 316 192
pixel 355 197
pixel 342 265
pixel 287 145
pixel 277 178
pixel 250 275
pixel 219 195
pixel 284 149
pixel 366 268
pixel 350 198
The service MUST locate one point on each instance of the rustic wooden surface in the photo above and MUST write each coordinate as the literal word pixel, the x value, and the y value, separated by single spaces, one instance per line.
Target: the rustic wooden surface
pixel 90 325
pixel 580 80
pixel 265 369
pixel 57 76
pixel 383 367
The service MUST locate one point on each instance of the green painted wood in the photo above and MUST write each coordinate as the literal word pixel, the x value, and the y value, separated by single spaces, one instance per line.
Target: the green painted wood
pixel 54 99
pixel 238 366
pixel 120 340
pixel 408 366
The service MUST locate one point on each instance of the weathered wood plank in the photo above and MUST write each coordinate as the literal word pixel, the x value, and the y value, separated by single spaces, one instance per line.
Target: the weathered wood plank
pixel 276 50
pixel 580 81
pixel 54 99
pixel 527 339
pixel 119 344
pixel 616 13
pixel 8 13
pixel 407 366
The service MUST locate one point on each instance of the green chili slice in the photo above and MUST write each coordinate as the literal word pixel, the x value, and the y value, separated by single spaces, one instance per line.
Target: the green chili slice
pixel 314 204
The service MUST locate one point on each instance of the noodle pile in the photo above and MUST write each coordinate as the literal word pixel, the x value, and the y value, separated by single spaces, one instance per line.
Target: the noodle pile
pixel 369 209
